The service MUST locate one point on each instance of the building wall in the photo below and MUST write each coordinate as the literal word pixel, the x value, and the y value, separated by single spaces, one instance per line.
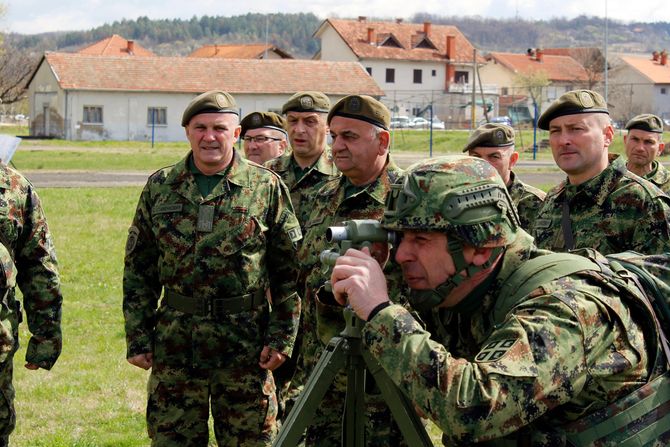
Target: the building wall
pixel 46 104
pixel 333 47
pixel 661 100
pixel 629 93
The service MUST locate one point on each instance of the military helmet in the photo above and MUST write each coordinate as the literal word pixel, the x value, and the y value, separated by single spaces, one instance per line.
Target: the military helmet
pixel 460 195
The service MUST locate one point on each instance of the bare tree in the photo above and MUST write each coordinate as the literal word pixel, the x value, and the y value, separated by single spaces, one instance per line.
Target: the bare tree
pixel 593 62
pixel 15 68
pixel 534 84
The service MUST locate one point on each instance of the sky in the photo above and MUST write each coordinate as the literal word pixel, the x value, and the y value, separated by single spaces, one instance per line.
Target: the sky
pixel 37 16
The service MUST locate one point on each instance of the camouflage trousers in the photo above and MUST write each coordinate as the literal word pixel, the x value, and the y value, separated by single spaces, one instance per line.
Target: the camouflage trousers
pixel 243 406
pixel 7 414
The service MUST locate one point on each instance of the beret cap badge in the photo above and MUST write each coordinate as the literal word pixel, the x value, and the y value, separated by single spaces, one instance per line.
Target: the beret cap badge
pixel 586 99
pixel 306 102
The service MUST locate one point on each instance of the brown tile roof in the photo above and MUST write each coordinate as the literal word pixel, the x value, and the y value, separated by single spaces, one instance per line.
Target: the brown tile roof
pixel 116 46
pixel 653 70
pixel 557 68
pixel 408 35
pixel 238 51
pixel 182 74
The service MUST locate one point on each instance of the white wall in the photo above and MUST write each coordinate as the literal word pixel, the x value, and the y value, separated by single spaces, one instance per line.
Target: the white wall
pixel 333 47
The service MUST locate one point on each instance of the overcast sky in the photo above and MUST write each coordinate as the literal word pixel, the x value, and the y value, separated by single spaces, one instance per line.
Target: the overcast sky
pixel 36 16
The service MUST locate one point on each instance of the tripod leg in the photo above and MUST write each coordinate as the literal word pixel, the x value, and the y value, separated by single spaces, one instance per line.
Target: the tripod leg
pixel 401 407
pixel 332 360
pixel 353 432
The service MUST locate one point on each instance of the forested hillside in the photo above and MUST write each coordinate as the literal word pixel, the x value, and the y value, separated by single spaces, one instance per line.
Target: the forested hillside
pixel 293 33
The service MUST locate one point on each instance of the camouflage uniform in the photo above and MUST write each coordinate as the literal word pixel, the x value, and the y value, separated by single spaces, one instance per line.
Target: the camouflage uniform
pixel 659 176
pixel 25 235
pixel 568 349
pixel 236 242
pixel 527 199
pixel 304 189
pixel 336 202
pixel 612 212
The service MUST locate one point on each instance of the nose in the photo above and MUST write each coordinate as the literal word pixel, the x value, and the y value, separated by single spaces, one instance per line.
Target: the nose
pixel 403 253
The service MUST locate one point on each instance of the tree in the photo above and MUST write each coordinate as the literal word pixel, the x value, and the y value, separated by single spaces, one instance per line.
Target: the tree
pixel 15 69
pixel 534 84
pixel 593 62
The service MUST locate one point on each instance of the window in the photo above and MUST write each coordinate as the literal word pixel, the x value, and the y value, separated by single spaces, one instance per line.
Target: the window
pixel 663 91
pixel 157 116
pixel 92 114
pixel 369 70
pixel 434 73
pixel 417 76
pixel 461 77
pixel 390 75
pixel 504 91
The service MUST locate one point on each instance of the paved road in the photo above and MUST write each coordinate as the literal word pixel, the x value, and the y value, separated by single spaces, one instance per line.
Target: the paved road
pixel 75 179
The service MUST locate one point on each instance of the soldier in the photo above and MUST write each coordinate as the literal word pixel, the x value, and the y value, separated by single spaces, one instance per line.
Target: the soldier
pixel 211 234
pixel 359 129
pixel 489 370
pixel 494 143
pixel 644 142
pixel 27 258
pixel 264 135
pixel 309 163
pixel 600 205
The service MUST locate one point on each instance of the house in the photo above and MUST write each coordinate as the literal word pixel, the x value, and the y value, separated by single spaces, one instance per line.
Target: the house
pixel 415 64
pixel 241 51
pixel 116 46
pixel 527 80
pixel 82 97
pixel 639 84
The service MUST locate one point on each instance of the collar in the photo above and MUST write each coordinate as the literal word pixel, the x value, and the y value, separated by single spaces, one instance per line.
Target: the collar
pixel 238 171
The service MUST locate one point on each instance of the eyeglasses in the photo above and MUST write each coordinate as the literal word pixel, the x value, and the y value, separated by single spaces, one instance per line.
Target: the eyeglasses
pixel 260 139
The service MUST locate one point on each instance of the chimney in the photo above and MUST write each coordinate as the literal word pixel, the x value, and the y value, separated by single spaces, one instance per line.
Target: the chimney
pixel 362 19
pixel 539 54
pixel 664 57
pixel 371 35
pixel 426 28
pixel 398 20
pixel 530 52
pixel 451 47
pixel 654 56
pixel 131 47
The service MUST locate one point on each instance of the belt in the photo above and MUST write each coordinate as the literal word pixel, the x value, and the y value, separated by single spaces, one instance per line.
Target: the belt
pixel 215 306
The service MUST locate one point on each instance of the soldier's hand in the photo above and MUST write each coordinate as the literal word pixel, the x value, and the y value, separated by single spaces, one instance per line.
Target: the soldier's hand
pixel 358 278
pixel 32 366
pixel 143 361
pixel 271 359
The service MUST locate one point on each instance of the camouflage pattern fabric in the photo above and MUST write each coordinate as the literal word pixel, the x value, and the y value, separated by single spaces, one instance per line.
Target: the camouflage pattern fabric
pixel 527 199
pixel 304 189
pixel 659 176
pixel 322 318
pixel 613 212
pixel 566 350
pixel 25 237
pixel 239 239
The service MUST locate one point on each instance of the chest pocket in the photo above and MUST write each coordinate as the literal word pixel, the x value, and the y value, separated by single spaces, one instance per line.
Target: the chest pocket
pixel 238 231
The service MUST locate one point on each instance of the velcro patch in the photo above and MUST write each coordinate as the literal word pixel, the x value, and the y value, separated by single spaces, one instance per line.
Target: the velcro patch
pixel 542 223
pixel 131 242
pixel 205 218
pixel 295 234
pixel 167 208
pixel 495 350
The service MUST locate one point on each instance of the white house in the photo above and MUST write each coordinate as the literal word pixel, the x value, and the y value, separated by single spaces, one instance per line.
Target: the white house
pixel 83 97
pixel 415 64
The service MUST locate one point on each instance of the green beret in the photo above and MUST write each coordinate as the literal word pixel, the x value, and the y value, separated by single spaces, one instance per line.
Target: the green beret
pixel 307 102
pixel 266 120
pixel 573 103
pixel 364 108
pixel 214 101
pixel 646 121
pixel 491 135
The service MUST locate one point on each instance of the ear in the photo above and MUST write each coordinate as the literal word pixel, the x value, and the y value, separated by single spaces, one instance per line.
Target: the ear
pixel 608 132
pixel 384 140
pixel 238 129
pixel 661 146
pixel 481 255
pixel 513 158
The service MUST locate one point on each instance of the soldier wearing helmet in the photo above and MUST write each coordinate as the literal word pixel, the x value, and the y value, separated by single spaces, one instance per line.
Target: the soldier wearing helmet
pixel 491 365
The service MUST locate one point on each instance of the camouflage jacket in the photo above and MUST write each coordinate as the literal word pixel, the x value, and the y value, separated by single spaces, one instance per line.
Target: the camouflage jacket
pixel 659 176
pixel 25 233
pixel 570 347
pixel 331 208
pixel 527 199
pixel 238 240
pixel 304 190
pixel 612 212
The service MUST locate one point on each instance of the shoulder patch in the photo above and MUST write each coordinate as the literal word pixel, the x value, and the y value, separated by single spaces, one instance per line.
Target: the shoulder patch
pixel 495 350
pixel 131 242
pixel 542 223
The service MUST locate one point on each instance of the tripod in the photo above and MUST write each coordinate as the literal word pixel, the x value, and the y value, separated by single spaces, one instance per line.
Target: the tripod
pixel 341 352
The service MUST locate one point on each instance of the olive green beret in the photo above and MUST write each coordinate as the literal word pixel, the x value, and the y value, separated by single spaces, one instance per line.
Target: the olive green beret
pixel 268 120
pixel 364 108
pixel 646 121
pixel 213 101
pixel 307 102
pixel 573 103
pixel 491 135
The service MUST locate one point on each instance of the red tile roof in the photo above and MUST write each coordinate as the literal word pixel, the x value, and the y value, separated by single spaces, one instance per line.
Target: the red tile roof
pixel 408 35
pixel 116 46
pixel 182 74
pixel 557 68
pixel 653 70
pixel 238 51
